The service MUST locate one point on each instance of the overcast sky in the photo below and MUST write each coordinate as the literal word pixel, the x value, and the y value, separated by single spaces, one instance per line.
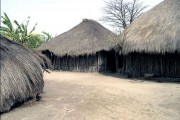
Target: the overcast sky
pixel 57 16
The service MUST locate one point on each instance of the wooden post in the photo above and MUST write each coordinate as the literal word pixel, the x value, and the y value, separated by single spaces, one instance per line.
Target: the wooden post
pixel 54 63
pixel 98 62
pixel 116 61
pixel 175 69
pixel 161 65
pixel 124 64
pixel 87 63
pixel 76 63
pixel 105 62
pixel 59 63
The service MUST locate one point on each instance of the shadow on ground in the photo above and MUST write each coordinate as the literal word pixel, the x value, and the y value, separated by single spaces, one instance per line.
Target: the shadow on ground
pixel 155 79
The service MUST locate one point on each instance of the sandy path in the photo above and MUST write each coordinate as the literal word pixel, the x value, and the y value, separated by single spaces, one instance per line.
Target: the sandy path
pixel 93 96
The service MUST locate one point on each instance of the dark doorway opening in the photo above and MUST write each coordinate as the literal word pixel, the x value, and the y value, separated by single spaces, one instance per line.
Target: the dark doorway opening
pixel 111 61
pixel 120 61
pixel 50 55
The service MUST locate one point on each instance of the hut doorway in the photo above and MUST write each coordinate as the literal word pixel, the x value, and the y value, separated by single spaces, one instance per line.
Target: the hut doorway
pixel 111 61
pixel 50 55
pixel 120 61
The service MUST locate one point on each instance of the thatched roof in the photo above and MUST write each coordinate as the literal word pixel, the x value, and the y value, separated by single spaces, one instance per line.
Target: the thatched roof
pixel 21 74
pixel 156 31
pixel 44 61
pixel 88 37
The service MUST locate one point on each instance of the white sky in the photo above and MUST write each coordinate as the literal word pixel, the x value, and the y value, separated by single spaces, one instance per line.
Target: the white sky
pixel 57 16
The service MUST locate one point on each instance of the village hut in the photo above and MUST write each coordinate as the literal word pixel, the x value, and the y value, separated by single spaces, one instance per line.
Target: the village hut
pixel 21 75
pixel 151 44
pixel 88 47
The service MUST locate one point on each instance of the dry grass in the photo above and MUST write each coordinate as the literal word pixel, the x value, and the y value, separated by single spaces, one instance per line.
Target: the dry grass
pixel 21 74
pixel 88 37
pixel 156 31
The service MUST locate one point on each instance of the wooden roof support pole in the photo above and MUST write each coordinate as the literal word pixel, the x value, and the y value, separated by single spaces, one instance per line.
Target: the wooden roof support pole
pixel 98 62
pixel 116 61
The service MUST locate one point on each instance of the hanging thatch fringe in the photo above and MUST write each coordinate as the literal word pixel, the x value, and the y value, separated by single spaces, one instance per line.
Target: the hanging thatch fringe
pixel 151 44
pixel 87 38
pixel 78 49
pixel 156 31
pixel 21 74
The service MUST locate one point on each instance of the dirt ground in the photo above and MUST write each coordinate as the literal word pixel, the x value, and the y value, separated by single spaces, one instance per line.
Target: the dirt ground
pixel 95 96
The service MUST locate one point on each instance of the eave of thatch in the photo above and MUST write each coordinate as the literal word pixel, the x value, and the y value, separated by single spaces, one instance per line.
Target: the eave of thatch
pixel 21 74
pixel 156 31
pixel 89 37
pixel 44 60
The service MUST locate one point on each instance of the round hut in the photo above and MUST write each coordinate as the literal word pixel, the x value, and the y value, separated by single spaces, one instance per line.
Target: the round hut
pixel 87 47
pixel 151 44
pixel 21 75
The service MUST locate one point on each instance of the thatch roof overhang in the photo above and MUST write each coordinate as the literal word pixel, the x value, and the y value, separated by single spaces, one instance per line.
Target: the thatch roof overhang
pixel 21 74
pixel 156 31
pixel 87 38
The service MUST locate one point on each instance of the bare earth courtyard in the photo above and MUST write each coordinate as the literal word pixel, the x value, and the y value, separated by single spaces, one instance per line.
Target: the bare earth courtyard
pixel 95 96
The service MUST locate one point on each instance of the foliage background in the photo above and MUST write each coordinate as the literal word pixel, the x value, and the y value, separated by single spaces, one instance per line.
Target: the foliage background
pixel 21 33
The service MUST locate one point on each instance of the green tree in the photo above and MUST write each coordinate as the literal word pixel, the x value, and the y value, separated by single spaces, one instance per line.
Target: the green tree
pixel 21 33
pixel 35 40
pixel 8 30
pixel 47 36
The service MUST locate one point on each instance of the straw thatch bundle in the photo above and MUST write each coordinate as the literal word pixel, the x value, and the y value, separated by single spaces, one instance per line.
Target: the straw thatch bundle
pixel 44 61
pixel 87 48
pixel 156 31
pixel 21 74
pixel 151 44
pixel 89 37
